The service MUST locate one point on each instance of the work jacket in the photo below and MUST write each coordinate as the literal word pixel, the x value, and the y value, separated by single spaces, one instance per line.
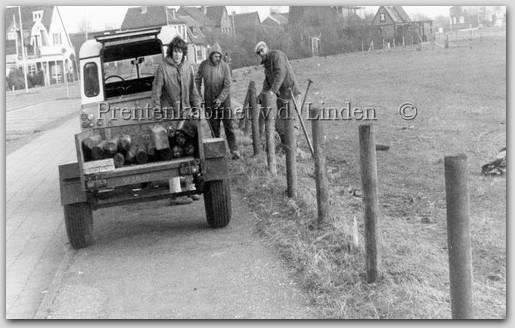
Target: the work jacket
pixel 216 78
pixel 279 76
pixel 174 87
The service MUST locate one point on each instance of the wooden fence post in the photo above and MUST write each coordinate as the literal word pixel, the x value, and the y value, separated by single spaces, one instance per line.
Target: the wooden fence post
pixel 270 111
pixel 458 236
pixel 245 123
pixel 368 160
pixel 254 108
pixel 322 183
pixel 291 152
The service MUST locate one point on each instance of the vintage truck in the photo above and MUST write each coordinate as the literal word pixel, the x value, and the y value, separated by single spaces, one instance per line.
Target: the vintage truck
pixel 126 151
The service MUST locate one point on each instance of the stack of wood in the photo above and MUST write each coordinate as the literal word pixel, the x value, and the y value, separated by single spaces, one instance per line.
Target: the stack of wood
pixel 165 145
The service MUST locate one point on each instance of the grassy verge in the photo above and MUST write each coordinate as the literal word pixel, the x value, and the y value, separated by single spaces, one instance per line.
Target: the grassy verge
pixel 415 277
pixel 461 96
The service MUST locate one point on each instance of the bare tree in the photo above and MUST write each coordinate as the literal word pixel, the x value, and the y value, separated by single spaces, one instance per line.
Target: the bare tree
pixel 85 26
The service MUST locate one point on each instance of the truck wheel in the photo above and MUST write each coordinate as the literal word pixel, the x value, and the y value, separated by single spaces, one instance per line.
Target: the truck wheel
pixel 217 201
pixel 78 219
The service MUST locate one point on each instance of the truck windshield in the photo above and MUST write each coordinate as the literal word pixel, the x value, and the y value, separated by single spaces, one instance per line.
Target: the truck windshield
pixel 130 68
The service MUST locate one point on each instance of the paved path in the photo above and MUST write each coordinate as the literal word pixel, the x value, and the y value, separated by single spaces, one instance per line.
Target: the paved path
pixel 34 237
pixel 162 262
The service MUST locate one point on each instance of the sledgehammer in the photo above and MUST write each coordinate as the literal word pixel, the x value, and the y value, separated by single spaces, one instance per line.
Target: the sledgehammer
pixel 305 96
pixel 302 123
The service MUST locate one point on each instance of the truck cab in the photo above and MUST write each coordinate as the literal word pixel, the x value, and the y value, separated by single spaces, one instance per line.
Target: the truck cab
pixel 125 144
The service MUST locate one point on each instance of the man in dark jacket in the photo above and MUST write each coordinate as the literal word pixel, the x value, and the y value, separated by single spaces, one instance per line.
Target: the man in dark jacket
pixel 216 76
pixel 174 90
pixel 279 80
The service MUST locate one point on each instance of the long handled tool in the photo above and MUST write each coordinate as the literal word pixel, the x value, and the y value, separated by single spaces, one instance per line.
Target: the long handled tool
pixel 302 123
pixel 305 96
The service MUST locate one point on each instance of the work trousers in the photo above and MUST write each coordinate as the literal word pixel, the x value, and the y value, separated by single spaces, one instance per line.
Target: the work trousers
pixel 217 115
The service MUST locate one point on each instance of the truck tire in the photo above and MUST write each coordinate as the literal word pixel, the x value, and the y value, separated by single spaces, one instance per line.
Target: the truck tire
pixel 217 202
pixel 78 219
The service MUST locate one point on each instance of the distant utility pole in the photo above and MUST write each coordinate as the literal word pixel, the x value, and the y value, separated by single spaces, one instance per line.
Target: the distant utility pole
pixel 23 53
pixel 86 25
pixel 233 27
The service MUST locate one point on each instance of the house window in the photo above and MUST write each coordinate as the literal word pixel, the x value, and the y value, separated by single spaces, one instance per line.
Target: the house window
pixel 36 15
pixel 57 38
pixel 382 17
pixel 37 40
pixel 199 55
pixel 31 69
pixel 91 85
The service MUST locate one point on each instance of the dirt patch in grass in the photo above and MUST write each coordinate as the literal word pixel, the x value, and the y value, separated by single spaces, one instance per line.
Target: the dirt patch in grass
pixel 461 97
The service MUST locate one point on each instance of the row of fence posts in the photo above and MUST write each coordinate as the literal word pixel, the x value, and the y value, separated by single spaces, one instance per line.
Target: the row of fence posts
pixel 456 182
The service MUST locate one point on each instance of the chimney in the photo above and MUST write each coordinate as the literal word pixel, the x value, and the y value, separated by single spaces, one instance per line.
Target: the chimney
pixel 143 10
pixel 203 9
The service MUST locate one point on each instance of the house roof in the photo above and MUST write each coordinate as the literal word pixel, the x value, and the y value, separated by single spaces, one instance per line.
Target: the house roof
pixel 270 21
pixel 137 17
pixel 196 14
pixel 26 16
pixel 398 14
pixel 10 47
pixel 246 19
pixel 190 21
pixel 198 37
pixel 215 14
pixel 281 18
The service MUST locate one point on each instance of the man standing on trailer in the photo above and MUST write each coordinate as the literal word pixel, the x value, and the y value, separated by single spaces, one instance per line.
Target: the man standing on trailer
pixel 174 90
pixel 216 76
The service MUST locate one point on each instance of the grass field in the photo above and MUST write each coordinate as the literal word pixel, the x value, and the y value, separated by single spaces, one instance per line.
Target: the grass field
pixel 460 94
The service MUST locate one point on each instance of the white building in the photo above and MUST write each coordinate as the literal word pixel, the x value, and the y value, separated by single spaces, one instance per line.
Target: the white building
pixel 46 44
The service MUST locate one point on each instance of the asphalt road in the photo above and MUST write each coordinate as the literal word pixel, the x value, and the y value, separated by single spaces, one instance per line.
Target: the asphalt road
pixel 154 261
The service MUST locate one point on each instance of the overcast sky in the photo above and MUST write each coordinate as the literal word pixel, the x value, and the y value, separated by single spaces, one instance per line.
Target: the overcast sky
pixel 102 17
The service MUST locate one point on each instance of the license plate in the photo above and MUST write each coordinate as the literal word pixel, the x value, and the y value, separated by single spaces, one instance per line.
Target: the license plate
pixel 101 165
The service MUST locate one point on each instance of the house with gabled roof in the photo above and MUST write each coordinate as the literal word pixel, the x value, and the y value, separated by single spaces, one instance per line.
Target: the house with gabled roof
pixel 276 19
pixel 212 18
pixel 198 14
pixel 219 16
pixel 46 44
pixel 197 38
pixel 395 25
pixel 245 20
pixel 162 16
pixel 154 16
